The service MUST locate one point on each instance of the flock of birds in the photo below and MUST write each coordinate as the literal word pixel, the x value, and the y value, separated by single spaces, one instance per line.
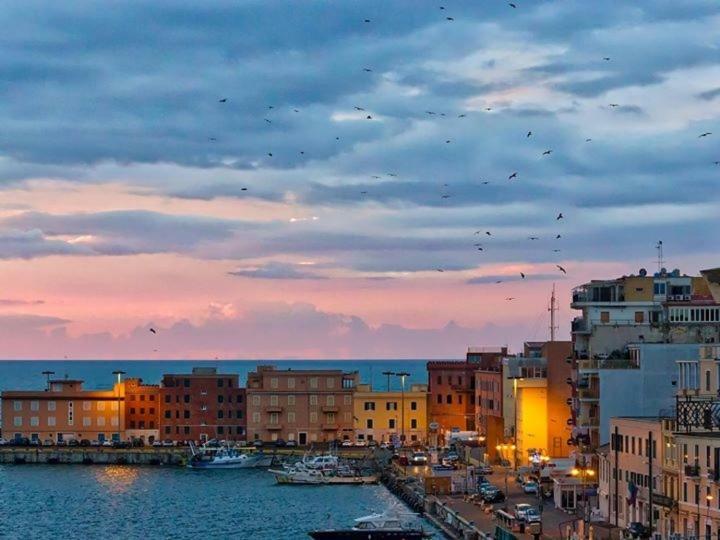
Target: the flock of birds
pixel 513 176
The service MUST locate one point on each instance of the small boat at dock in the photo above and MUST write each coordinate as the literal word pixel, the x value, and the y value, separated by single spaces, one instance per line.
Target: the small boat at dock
pixel 227 458
pixel 386 526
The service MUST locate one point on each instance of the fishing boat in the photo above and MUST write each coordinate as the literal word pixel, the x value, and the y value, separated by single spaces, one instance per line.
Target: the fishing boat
pixel 386 526
pixel 227 458
pixel 299 474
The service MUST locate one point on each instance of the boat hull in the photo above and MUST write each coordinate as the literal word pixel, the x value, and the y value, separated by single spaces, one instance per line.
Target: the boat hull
pixel 367 535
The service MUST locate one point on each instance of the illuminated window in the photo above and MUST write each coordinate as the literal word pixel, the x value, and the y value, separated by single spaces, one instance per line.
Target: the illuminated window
pixel 100 405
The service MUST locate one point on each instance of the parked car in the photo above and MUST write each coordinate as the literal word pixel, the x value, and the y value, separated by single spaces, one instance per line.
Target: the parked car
pixel 521 510
pixel 637 530
pixel 73 442
pixel 167 443
pixel 280 443
pixel 419 458
pixel 530 487
pixel 61 443
pixel 48 442
pixel 372 444
pixel 35 442
pixel 346 443
pixel 291 443
pixel 94 442
pixel 532 516
pixel 493 495
pixel 361 442
pixel 257 443
pixel 85 442
pixel 4 442
pixel 485 469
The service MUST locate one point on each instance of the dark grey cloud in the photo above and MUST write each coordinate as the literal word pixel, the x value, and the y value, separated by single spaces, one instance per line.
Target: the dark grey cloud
pixel 276 270
pixel 484 280
pixel 709 94
pixel 12 302
pixel 28 244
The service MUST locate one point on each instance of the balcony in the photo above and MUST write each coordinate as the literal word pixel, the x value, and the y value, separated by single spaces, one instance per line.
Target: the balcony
pixel 580 325
pixel 330 427
pixel 273 427
pixel 663 500
pixel 589 394
pixel 713 476
pixel 330 409
pixel 588 364
pixel 692 471
pixel 273 409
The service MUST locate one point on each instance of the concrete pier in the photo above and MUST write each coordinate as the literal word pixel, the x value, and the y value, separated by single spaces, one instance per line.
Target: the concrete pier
pixel 94 455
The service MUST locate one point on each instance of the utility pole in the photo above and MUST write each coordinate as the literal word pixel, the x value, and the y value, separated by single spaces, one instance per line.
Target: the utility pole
pixel 402 375
pixel 652 479
pixel 617 473
pixel 660 260
pixel 552 309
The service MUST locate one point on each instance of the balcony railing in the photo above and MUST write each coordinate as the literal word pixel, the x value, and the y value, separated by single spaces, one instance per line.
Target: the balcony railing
pixel 589 393
pixel 329 427
pixel 273 409
pixel 579 324
pixel 273 427
pixel 330 409
pixel 692 471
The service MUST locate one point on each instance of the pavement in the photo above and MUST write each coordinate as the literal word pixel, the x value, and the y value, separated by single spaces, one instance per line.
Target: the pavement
pixel 552 518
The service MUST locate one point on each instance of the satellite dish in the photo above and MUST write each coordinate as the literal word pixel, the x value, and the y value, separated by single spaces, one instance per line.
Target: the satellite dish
pixel 643 272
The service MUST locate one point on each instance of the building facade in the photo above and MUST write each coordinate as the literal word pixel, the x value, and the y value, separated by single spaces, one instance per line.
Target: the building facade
pixel 300 405
pixel 379 416
pixel 202 405
pixel 64 411
pixel 142 418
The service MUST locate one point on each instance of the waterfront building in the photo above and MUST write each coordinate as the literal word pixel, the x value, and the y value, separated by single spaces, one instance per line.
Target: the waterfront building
pixel 202 405
pixel 142 415
pixel 300 405
pixel 64 411
pixel 452 388
pixel 621 315
pixel 632 467
pixel 538 393
pixel 379 415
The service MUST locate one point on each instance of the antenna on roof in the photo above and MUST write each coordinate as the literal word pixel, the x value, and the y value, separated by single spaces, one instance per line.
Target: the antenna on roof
pixel 552 309
pixel 660 259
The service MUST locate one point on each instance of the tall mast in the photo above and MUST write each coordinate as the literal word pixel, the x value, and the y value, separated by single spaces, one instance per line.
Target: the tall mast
pixel 552 309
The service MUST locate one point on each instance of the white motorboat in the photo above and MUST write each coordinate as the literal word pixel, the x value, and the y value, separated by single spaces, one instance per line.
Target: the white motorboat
pixel 299 474
pixel 227 458
pixel 385 526
pixel 325 462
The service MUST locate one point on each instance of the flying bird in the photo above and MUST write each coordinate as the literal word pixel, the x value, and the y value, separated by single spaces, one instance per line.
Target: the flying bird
pixel 522 275
pixel 462 115
pixel 614 105
pixel 561 269
pixel 446 196
pixel 488 108
pixel 704 134
pixel 488 233
pixel 363 193
pixel 449 18
pixel 510 298
pixel 588 140
pixel 223 100
pixel 270 107
pixel 499 281
pixel 302 153
pixel 547 152
pixel 533 238
pixel 367 20
pixel 368 117
pixel 606 58
pixel 485 183
pixel 358 108
pixel 153 330
pixel 558 237
pixel 559 217
pixel 556 250
pixel 367 70
pixel 512 5
pixel 480 249
pixel 268 121
pixel 376 176
pixel 440 270
pixel 447 142
pixel 529 134
pixel 716 162
pixel 270 154
pixel 513 175
pixel 391 174
pixel 213 139
pixel 295 110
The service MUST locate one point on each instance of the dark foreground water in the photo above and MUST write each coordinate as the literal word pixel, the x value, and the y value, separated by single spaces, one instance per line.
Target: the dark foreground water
pixel 61 501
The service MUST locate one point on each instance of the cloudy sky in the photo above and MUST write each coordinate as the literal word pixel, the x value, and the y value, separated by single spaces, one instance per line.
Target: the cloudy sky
pixel 309 213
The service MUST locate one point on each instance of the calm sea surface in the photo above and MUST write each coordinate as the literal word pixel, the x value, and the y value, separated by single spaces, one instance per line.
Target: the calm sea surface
pixel 45 501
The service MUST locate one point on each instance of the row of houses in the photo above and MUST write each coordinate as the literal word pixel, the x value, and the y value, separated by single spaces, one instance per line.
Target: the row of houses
pixel 305 406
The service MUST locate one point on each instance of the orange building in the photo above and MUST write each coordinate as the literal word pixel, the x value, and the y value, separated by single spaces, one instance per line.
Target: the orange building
pixel 143 410
pixel 300 405
pixel 64 411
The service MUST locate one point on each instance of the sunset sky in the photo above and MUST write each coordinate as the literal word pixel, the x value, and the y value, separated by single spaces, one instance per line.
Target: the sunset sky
pixel 121 173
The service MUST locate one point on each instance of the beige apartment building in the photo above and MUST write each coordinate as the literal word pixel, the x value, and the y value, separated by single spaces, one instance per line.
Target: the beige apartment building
pixel 384 416
pixel 64 411
pixel 300 405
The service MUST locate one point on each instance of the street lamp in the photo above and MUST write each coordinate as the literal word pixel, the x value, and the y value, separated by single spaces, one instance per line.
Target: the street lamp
pixel 47 376
pixel 502 448
pixel 402 375
pixel 515 427
pixel 119 374
pixel 708 500
pixel 583 472
pixel 388 373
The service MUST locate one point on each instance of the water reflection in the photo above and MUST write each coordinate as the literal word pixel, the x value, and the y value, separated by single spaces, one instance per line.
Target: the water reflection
pixel 116 478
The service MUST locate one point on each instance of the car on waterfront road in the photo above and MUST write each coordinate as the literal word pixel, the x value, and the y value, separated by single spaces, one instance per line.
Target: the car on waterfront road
pixel 73 442
pixel 419 458
pixel 372 444
pixel 521 510
pixel 637 530
pixel 291 443
pixel 257 443
pixel 280 443
pixel 48 442
pixel 4 442
pixel 360 442
pixel 157 444
pixel 485 469
pixel 347 443
pixel 493 495
pixel 168 442
pixel 532 516
pixel 530 487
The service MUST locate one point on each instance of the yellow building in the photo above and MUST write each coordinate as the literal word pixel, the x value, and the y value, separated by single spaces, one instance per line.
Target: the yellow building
pixel 378 416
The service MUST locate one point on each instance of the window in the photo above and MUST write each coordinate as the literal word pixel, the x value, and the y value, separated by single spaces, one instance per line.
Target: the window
pixel 439 379
pixel 369 423
pixel 186 398
pixel 101 421
pixel 291 382
pixel 313 400
pixel 313 417
pixel 100 405
pixel 220 399
pixel 17 421
pixel 330 401
pixel 347 399
pixel 186 383
pixel 274 418
pixel 51 421
pixel 330 382
pixel 413 405
pixel 34 405
pixel 391 406
pixel 391 423
pixel 256 417
pixel 256 401
pixel 17 405
pixel 605 316
pixel 369 405
pixel 413 423
pixel 448 399
pixel 132 410
pixel 167 398
pixel 273 383
pixel 220 413
pixel 273 401
pixel 113 405
pixel 291 400
pixel 639 317
pixel 168 414
pixel 51 405
pixel 313 382
pixel 439 398
pixel 460 399
pixel 291 417
pixel 34 421
pixel 186 414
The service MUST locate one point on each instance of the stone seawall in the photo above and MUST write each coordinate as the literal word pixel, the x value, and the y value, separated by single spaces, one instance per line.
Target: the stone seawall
pixel 92 455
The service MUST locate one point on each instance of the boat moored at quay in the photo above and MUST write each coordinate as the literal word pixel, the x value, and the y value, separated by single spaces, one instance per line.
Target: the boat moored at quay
pixel 227 458
pixel 389 525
